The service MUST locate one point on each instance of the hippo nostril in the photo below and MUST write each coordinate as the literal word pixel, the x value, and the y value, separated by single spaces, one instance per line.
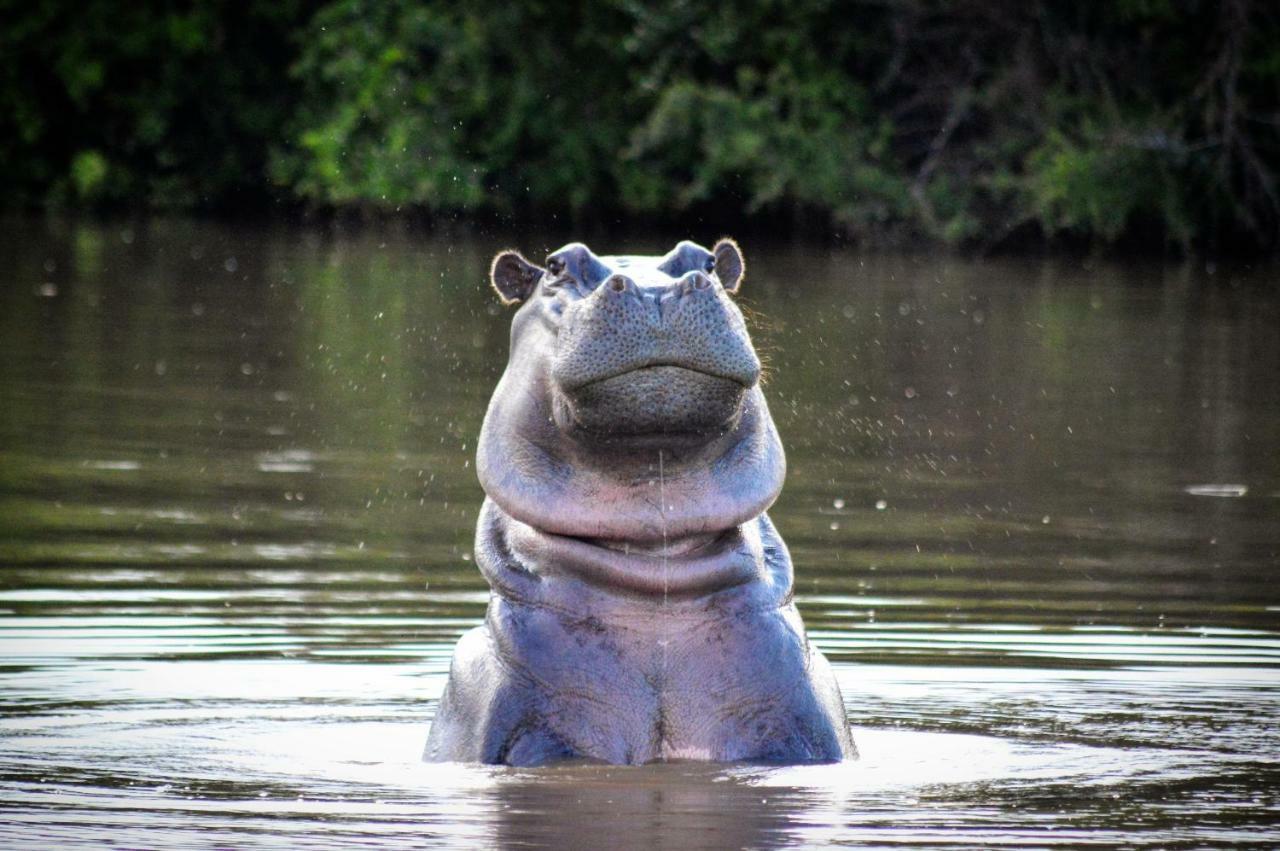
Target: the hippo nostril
pixel 618 285
pixel 701 282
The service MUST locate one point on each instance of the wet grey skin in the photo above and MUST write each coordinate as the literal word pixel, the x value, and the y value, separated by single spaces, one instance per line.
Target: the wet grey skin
pixel 641 605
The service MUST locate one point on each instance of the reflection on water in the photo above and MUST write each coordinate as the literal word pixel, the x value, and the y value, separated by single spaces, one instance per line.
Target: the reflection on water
pixel 1033 508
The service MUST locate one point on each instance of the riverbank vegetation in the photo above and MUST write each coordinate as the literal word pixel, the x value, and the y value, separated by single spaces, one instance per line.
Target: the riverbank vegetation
pixel 967 122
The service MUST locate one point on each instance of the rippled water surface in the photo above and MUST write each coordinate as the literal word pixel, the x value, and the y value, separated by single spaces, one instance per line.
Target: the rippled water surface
pixel 1034 508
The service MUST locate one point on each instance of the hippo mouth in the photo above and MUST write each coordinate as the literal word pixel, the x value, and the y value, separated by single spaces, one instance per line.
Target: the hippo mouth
pixel 656 399
pixel 668 367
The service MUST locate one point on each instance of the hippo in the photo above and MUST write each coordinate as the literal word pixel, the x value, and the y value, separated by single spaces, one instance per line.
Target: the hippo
pixel 641 606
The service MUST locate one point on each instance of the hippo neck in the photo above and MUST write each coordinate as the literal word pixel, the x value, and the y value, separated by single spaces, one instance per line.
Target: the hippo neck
pixel 525 564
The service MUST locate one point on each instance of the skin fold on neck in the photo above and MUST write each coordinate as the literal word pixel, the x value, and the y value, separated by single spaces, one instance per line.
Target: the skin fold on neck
pixel 524 563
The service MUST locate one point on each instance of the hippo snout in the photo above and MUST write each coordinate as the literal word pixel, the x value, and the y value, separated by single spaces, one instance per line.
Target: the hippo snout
pixel 624 326
pixel 670 357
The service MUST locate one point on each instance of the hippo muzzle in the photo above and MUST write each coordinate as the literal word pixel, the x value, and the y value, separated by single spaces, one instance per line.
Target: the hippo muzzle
pixel 652 358
pixel 641 605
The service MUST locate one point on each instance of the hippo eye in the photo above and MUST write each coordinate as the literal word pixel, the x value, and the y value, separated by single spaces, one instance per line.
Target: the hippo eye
pixel 555 265
pixel 709 265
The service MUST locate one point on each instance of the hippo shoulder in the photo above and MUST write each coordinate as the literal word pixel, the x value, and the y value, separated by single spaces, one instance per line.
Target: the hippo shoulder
pixel 483 710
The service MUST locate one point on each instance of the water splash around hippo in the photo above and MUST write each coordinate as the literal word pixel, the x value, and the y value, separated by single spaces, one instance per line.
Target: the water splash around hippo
pixel 641 607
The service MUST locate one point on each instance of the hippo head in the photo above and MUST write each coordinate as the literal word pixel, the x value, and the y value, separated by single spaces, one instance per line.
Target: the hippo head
pixel 621 365
pixel 646 349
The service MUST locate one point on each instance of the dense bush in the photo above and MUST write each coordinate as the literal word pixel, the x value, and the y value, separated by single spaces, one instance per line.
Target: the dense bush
pixel 169 104
pixel 968 121
pixel 459 106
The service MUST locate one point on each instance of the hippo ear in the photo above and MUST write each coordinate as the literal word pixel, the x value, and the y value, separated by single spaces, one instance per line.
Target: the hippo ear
pixel 730 267
pixel 513 277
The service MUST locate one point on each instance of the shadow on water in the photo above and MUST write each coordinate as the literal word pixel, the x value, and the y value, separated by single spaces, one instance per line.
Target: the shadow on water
pixel 1032 505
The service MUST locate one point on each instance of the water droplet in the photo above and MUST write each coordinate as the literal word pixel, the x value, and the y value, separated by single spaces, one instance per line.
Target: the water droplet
pixel 881 504
pixel 231 264
pixel 837 504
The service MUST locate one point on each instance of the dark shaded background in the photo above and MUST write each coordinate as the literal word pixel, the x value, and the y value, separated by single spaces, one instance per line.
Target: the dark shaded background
pixel 1144 123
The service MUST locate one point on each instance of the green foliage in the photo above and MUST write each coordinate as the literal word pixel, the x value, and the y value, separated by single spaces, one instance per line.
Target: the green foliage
pixel 1101 186
pixel 88 173
pixel 166 104
pixel 459 107
pixel 964 121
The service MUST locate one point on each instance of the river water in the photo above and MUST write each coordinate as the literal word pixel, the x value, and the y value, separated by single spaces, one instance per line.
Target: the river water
pixel 1034 507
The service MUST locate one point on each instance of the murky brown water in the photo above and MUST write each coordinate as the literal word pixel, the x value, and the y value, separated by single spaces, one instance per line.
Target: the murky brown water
pixel 1034 509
